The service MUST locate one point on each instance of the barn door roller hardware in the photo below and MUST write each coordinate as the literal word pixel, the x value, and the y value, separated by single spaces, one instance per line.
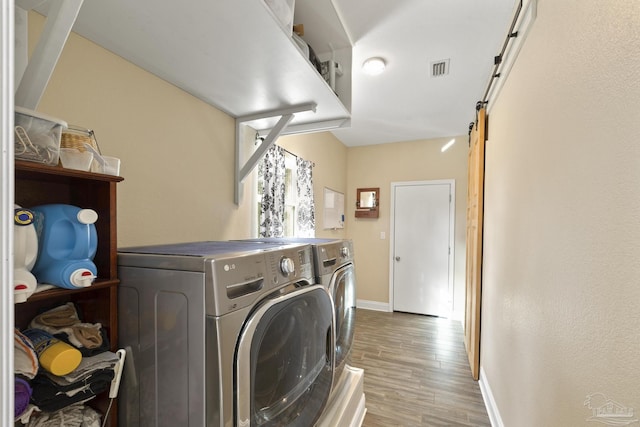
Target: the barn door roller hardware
pixel 286 115
pixel 523 18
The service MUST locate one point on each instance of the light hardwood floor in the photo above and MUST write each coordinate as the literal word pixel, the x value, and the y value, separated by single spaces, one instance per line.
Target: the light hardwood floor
pixel 416 371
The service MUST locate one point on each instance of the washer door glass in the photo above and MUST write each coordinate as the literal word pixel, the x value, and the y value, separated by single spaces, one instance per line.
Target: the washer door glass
pixel 286 352
pixel 343 289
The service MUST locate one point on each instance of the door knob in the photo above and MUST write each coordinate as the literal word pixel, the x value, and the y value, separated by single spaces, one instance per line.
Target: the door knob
pixel 397 258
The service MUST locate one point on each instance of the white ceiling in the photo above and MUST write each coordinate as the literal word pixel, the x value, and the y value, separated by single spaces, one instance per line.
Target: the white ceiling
pixel 405 103
pixel 223 52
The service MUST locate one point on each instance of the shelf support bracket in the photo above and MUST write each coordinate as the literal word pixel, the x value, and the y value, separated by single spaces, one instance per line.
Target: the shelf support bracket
pixel 286 115
pixel 60 20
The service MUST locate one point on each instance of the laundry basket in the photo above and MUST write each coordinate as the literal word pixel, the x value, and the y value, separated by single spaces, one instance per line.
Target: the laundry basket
pixel 76 137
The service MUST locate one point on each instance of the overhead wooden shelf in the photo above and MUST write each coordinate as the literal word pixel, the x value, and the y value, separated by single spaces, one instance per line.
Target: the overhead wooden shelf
pixel 232 54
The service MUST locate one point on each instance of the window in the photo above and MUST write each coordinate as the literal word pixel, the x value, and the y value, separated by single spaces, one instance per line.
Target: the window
pixel 290 197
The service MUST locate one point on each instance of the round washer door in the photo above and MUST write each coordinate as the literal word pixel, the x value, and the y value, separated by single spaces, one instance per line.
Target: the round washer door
pixel 285 360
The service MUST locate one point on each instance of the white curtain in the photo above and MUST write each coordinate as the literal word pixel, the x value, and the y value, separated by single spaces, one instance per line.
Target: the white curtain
pixel 305 212
pixel 272 172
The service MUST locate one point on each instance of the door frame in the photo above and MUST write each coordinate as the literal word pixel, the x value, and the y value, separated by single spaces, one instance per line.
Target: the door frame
pixel 7 61
pixel 452 223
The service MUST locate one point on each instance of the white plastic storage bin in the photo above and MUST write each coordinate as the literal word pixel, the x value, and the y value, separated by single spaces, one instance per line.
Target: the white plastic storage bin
pixel 37 136
pixel 283 11
pixel 301 44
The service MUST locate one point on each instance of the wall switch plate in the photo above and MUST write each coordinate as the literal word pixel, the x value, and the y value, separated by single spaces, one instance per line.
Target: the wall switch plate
pixel 383 235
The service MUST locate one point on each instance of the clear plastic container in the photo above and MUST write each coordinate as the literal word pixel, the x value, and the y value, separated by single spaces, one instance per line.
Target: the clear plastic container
pixel 283 10
pixel 72 158
pixel 37 136
pixel 108 166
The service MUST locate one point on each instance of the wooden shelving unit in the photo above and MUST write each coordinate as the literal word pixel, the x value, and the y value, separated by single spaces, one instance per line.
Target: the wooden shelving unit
pixel 37 184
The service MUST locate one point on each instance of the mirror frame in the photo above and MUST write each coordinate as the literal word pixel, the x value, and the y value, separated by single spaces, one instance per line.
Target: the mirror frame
pixel 368 212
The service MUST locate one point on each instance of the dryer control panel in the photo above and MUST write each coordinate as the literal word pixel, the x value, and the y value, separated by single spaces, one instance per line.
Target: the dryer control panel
pixel 333 255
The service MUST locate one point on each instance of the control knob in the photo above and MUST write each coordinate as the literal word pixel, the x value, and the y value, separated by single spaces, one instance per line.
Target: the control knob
pixel 287 266
pixel 344 252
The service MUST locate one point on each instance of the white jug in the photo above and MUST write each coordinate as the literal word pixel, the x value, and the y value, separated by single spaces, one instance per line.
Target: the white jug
pixel 25 252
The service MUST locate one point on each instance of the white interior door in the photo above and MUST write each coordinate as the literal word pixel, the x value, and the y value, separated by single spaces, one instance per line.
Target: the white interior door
pixel 422 247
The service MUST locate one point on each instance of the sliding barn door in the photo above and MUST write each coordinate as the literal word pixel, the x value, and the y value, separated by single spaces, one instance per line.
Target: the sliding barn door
pixel 475 197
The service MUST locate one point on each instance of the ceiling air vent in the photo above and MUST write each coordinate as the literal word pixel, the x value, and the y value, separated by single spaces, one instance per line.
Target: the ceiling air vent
pixel 440 68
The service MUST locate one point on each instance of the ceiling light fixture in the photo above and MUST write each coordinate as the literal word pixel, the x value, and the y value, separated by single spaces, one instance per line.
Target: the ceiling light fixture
pixel 373 66
pixel 448 145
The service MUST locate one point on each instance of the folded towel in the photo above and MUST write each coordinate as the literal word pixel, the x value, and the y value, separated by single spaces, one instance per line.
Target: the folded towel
pixel 26 415
pixel 87 334
pixel 93 376
pixel 64 315
pixel 87 352
pixel 49 396
pixel 106 360
pixel 76 415
pixel 65 319
pixel 71 387
pixel 25 359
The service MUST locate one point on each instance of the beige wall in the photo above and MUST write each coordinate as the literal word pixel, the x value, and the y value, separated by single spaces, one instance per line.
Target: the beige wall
pixel 561 293
pixel 381 165
pixel 178 153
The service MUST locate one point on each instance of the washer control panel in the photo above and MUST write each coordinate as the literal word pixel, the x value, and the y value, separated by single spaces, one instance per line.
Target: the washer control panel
pixel 290 264
pixel 239 280
pixel 287 266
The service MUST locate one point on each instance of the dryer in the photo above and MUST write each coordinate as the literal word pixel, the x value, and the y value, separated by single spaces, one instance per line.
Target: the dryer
pixel 334 268
pixel 224 334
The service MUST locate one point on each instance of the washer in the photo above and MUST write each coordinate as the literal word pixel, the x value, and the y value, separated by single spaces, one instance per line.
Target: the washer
pixel 224 334
pixel 335 270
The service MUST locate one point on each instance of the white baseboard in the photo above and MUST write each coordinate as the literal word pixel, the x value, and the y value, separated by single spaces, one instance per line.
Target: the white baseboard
pixel 373 305
pixel 489 401
pixel 385 306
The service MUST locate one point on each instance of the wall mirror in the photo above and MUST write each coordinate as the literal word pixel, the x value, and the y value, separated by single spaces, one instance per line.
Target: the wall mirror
pixel 367 202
